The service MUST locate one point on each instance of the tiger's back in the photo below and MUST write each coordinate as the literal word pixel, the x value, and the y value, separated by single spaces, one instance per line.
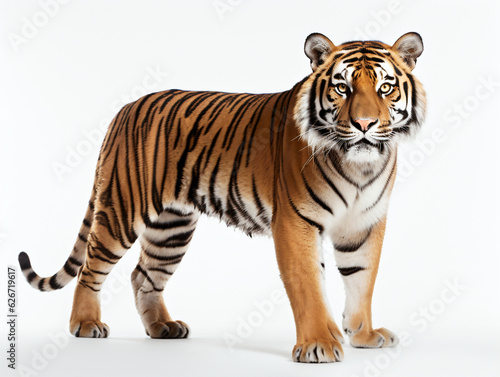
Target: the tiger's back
pixel 206 151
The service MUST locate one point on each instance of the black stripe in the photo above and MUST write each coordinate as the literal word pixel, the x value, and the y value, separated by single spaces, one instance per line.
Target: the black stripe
pixel 349 54
pixel 413 99
pixel 160 270
pixel 168 96
pixel 350 46
pixel 329 72
pixel 170 224
pixel 54 284
pixel 115 188
pixel 178 212
pixel 191 141
pixel 74 261
pixel 255 122
pixel 139 268
pixel 309 221
pixel 396 69
pixel 336 164
pixel 211 148
pixel 331 184
pixel 230 212
pixel 195 179
pixel 31 276
pixel 235 122
pixel 178 240
pixel 352 247
pixel 88 286
pixel 115 184
pixel 260 207
pixel 156 196
pixel 314 122
pixel 315 197
pixel 346 271
pixel 351 60
pixel 92 256
pixel 383 190
pixel 374 178
pixel 93 271
pixel 229 98
pixel 41 283
pixel 184 236
pixel 69 270
pixel 235 199
pixel 205 109
pixel 231 128
pixel 82 237
pixel 178 134
pixel 103 249
pixel 239 97
pixel 214 201
pixel 202 96
pixel 86 223
pixel 127 207
pixel 323 111
pixel 165 257
pixel 405 90
pixel 373 59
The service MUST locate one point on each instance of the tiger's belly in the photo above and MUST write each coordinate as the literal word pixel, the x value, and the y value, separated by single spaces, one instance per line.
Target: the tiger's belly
pixel 243 212
pixel 235 199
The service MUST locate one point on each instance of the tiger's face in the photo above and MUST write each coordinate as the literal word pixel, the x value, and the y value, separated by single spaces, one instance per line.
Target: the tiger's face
pixel 361 98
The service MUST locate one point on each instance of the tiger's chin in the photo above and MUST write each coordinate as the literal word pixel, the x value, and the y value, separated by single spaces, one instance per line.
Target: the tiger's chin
pixel 364 152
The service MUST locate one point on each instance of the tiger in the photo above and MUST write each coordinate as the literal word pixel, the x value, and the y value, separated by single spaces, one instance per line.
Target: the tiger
pixel 314 162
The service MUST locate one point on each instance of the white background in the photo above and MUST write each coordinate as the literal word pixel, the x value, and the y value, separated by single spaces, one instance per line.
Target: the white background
pixel 89 58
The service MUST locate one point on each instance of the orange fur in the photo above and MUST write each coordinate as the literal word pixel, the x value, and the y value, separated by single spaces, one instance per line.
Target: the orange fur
pixel 281 164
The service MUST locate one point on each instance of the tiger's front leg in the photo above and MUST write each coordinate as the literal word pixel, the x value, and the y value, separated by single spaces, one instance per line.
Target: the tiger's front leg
pixel 296 241
pixel 358 260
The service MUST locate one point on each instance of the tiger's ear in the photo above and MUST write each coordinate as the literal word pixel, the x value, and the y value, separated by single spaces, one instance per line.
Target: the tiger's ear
pixel 318 48
pixel 409 47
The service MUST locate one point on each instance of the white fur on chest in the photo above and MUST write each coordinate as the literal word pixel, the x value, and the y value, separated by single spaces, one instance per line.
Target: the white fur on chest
pixel 363 206
pixel 358 216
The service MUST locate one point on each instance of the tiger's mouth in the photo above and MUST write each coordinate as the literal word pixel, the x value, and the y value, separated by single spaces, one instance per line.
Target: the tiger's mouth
pixel 366 144
pixel 364 141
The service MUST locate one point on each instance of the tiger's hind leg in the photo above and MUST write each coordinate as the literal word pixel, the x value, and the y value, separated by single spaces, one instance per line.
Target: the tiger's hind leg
pixel 163 245
pixel 107 242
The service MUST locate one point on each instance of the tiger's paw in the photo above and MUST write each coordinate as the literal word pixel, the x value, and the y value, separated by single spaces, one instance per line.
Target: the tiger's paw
pixel 90 329
pixel 318 351
pixel 168 330
pixel 379 338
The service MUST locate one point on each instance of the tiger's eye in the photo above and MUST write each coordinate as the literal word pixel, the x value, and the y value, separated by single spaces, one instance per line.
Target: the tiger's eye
pixel 385 88
pixel 341 88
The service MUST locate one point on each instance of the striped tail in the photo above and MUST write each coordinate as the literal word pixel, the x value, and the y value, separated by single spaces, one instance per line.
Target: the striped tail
pixel 73 263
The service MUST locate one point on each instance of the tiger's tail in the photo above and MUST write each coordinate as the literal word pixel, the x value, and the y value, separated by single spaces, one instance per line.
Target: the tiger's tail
pixel 75 260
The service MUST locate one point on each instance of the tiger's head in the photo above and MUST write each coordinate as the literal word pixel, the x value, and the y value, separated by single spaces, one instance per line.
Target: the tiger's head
pixel 361 98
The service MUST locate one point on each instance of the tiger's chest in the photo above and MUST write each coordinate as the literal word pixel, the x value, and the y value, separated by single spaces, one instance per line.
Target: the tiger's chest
pixel 364 209
pixel 355 203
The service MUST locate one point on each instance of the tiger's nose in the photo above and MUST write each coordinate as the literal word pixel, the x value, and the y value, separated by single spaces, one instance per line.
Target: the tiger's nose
pixel 364 124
